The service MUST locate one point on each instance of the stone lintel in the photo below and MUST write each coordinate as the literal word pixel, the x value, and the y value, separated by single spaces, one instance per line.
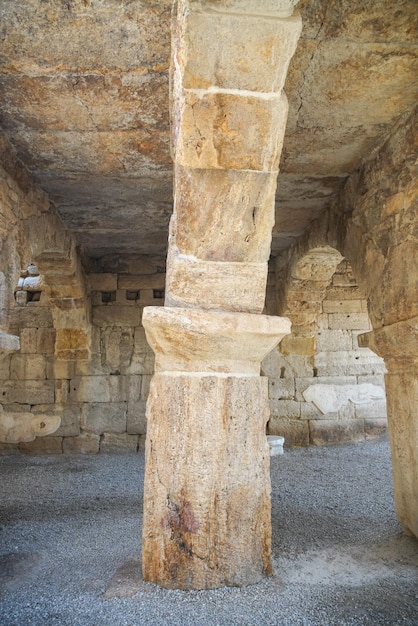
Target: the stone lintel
pixel 193 340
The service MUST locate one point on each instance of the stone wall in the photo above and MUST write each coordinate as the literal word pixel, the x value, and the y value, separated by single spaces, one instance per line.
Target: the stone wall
pixel 100 399
pixel 323 387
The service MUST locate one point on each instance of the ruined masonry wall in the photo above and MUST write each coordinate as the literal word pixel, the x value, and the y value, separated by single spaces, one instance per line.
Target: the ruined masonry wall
pixel 351 378
pixel 102 399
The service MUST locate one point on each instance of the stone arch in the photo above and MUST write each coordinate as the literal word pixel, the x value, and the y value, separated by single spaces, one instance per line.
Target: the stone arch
pixel 324 388
pixel 308 277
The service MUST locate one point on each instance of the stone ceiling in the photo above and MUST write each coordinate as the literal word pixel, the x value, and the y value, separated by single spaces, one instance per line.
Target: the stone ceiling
pixel 84 100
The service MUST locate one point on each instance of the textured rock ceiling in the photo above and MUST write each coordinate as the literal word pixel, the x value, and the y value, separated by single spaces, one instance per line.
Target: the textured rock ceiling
pixel 84 99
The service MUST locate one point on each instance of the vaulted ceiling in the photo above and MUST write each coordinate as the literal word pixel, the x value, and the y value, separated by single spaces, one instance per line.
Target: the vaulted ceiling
pixel 84 100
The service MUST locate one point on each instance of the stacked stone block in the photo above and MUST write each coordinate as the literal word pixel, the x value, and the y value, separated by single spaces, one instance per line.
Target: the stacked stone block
pixel 228 119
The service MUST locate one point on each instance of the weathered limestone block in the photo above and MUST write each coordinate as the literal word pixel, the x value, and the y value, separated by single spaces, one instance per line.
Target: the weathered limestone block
pixel 86 443
pixel 116 348
pixel 349 321
pixel 374 427
pixel 211 341
pixel 104 417
pixel 119 315
pixel 62 388
pixel 207 521
pixel 308 411
pixel 37 340
pixel 103 282
pixel 334 340
pixel 260 65
pixel 292 345
pixel 295 432
pixel 8 343
pixel 350 363
pixel 141 363
pixel 141 281
pixel 118 443
pixel 215 285
pixel 72 343
pixel 28 391
pixel 289 409
pixel 98 389
pixel 42 445
pixel 276 365
pixel 28 367
pixel 342 306
pixel 372 410
pixel 21 297
pixel 4 367
pixel 57 368
pixel 23 427
pixel 136 422
pixel 323 432
pixel 214 130
pixel 281 388
pixel 212 204
pixel 70 422
pixel 30 317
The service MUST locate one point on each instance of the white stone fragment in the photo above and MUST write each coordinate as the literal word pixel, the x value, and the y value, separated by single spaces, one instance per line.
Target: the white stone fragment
pixel 331 398
pixel 275 444
pixel 32 283
pixel 8 343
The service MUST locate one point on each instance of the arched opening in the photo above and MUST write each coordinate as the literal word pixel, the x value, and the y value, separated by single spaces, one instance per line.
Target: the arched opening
pixel 324 388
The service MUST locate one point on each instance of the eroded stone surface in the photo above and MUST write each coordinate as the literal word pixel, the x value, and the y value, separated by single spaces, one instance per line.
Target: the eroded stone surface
pixel 207 521
pixel 24 427
pixel 216 285
pixel 330 398
pixel 211 341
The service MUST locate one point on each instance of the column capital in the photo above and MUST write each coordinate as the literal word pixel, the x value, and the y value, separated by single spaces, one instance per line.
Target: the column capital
pixel 194 340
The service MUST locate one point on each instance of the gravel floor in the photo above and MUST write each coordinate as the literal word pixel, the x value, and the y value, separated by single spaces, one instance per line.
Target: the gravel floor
pixel 70 546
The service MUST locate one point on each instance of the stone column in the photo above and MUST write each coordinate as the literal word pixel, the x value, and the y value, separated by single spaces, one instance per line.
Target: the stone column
pixel 397 344
pixel 207 487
